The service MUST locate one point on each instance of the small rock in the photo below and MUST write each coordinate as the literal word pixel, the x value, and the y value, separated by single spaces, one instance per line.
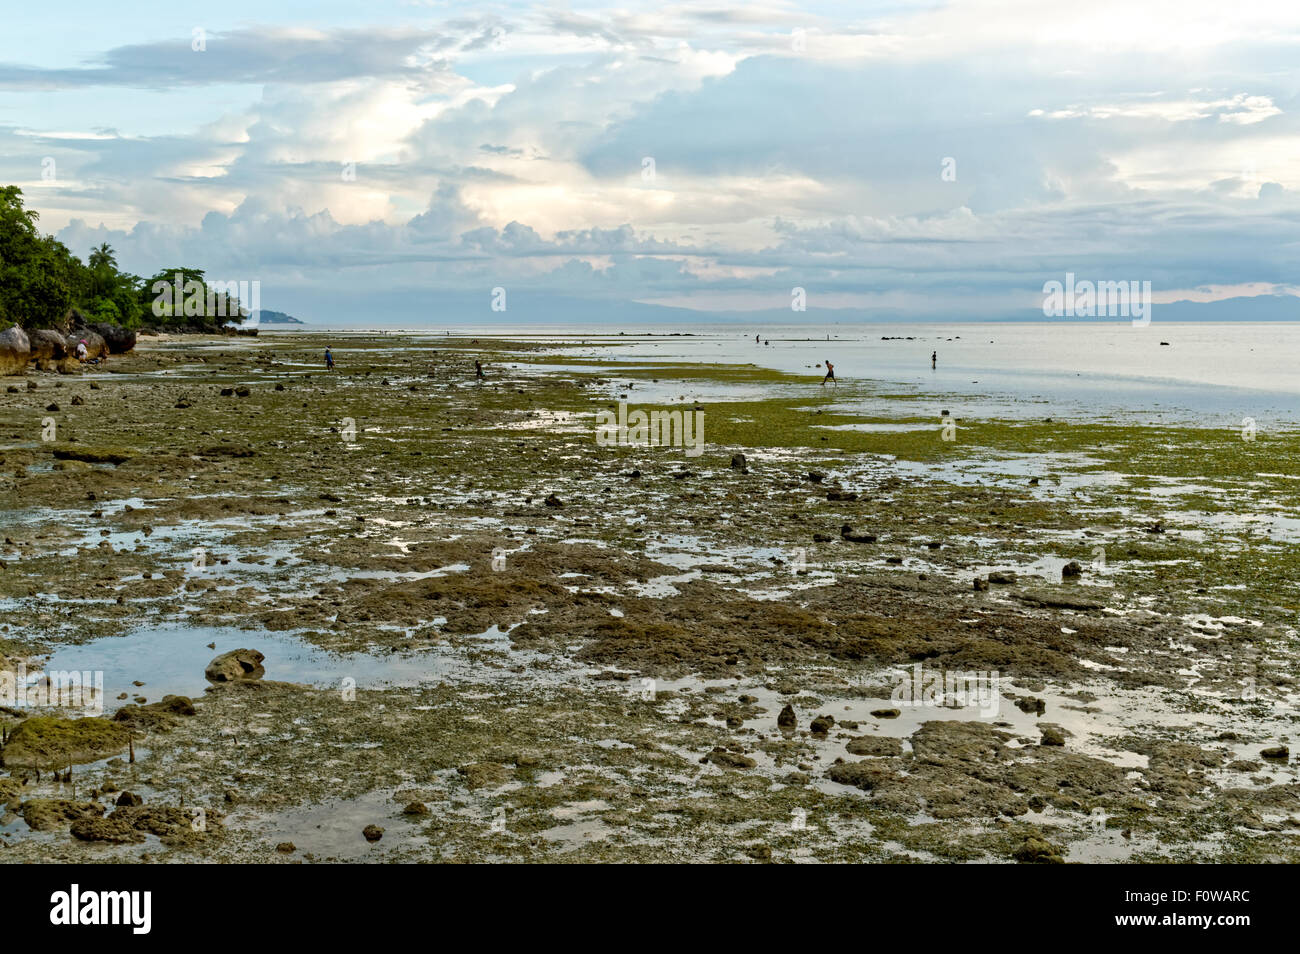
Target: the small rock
pixel 372 832
pixel 238 664
pixel 1036 850
pixel 874 745
pixel 1031 704
pixel 726 759
pixel 787 718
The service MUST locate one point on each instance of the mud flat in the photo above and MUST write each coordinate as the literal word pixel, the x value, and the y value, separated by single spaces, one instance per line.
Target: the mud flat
pixel 488 637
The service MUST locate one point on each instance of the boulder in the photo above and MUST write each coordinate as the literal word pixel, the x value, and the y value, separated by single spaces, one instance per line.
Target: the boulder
pixel 96 347
pixel 47 347
pixel 119 340
pixel 236 665
pixel 73 319
pixel 15 351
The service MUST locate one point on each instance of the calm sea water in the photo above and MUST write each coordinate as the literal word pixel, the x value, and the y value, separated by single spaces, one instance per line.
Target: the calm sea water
pixel 1207 373
pixel 1215 374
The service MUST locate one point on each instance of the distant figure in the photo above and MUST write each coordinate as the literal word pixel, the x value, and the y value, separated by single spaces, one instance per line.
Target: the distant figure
pixel 830 374
pixel 934 359
pixel 478 371
pixel 766 343
pixel 329 360
pixel 81 350
pixel 755 339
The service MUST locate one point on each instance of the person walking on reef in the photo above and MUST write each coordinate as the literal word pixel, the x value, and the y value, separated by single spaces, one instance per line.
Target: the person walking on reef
pixel 329 359
pixel 478 371
pixel 830 374
pixel 934 360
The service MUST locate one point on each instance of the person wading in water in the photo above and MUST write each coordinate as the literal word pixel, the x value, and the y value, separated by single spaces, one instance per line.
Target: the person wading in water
pixel 830 374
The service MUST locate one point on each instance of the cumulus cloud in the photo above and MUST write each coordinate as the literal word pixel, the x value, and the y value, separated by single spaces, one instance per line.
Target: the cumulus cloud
pixel 909 157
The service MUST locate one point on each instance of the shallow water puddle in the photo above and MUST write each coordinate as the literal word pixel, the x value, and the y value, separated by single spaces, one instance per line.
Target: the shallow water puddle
pixel 170 660
pixel 333 829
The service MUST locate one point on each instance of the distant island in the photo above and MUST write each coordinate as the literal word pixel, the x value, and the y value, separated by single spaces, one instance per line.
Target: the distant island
pixel 268 317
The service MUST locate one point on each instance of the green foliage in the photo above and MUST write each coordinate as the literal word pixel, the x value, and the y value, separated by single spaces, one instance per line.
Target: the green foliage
pixel 182 298
pixel 37 274
pixel 41 281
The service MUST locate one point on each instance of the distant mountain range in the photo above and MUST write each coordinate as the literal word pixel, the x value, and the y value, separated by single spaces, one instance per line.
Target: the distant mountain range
pixel 337 308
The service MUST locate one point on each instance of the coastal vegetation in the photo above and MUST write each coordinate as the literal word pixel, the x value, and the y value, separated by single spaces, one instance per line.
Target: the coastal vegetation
pixel 43 284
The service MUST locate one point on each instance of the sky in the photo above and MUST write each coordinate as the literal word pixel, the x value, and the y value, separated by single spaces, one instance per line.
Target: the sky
pixel 427 161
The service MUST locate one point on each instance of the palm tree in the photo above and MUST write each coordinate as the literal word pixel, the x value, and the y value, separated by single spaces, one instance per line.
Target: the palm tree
pixel 102 256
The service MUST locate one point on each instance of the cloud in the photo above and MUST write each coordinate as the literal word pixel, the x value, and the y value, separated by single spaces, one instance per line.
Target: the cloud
pixel 915 157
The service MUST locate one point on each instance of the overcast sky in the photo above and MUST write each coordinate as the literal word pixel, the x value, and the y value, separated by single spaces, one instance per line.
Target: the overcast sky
pixel 406 158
